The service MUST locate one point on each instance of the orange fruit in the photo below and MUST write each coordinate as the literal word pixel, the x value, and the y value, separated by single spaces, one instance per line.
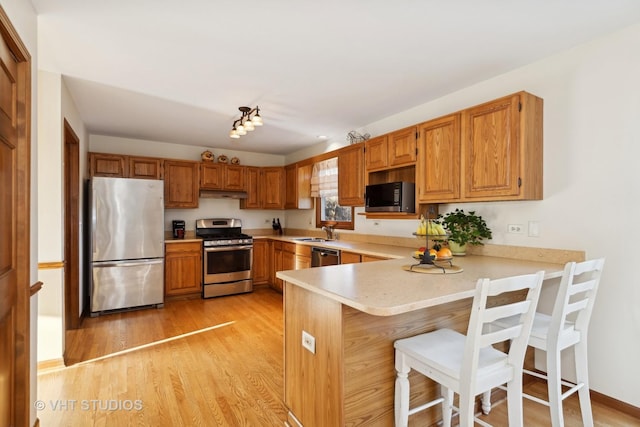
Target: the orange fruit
pixel 444 253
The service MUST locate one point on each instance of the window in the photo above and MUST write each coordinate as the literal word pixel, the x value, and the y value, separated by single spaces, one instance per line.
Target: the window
pixel 324 186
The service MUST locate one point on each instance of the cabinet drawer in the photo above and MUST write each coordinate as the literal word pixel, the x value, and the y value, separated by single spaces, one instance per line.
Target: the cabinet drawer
pixel 180 247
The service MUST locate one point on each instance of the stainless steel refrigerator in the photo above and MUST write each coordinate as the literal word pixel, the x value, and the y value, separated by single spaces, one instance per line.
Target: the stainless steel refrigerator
pixel 126 243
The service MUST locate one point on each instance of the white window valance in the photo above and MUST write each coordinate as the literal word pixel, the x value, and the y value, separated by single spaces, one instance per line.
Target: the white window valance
pixel 324 178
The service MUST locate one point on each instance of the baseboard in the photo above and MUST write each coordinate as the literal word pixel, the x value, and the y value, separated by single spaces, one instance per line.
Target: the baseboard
pixel 615 404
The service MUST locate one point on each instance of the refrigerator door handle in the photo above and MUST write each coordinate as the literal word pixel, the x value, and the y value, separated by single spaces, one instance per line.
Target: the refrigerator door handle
pixel 128 263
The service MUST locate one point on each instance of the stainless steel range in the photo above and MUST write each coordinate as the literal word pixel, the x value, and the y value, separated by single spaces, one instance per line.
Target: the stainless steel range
pixel 227 257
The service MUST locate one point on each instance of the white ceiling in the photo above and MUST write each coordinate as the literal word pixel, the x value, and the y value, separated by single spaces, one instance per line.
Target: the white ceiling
pixel 177 71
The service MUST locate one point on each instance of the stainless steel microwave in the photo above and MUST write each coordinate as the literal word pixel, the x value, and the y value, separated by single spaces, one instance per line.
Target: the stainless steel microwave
pixel 391 197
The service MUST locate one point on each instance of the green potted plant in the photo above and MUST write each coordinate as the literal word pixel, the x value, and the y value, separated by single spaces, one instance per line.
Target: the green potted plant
pixel 464 228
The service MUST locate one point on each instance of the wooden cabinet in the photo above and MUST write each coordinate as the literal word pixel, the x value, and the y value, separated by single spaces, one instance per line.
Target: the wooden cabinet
pixel 350 257
pixel 376 153
pixel 121 166
pixel 438 165
pixel 219 176
pixel 392 150
pixel 502 149
pixel 113 165
pixel 298 186
pixel 265 188
pixel 288 256
pixel 351 176
pixel 183 268
pixel 402 147
pixel 371 258
pixel 261 261
pixel 276 262
pixel 145 167
pixel 181 184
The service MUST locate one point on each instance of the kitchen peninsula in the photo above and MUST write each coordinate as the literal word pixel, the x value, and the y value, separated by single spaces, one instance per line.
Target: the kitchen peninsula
pixel 341 322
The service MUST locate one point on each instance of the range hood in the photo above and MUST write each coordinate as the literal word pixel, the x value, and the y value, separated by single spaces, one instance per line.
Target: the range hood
pixel 222 194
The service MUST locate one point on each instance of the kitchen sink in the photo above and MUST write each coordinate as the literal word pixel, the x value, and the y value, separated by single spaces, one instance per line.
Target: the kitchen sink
pixel 310 239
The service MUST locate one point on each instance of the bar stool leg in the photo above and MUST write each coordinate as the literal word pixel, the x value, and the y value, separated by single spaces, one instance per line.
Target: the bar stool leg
pixel 582 377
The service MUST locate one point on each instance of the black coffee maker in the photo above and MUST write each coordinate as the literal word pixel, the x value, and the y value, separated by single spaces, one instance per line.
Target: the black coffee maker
pixel 178 228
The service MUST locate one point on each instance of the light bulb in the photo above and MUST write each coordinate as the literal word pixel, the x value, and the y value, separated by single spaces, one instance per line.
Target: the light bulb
pixel 234 134
pixel 240 129
pixel 248 126
pixel 257 120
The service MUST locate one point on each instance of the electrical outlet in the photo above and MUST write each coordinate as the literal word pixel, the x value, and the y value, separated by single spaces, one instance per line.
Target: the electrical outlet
pixel 376 223
pixel 515 228
pixel 267 221
pixel 309 342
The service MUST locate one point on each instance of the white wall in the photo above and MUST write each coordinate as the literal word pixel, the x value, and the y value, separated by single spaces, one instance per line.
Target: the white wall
pixel 591 145
pixel 54 106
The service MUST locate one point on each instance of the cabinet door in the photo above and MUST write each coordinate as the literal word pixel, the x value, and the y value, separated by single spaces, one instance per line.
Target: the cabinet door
pixel 371 258
pixel 438 166
pixel 261 261
pixel 351 176
pixel 211 176
pixel 273 187
pixel 349 257
pixel 113 165
pixel 402 147
pixel 181 182
pixel 234 178
pixel 298 187
pixel 276 283
pixel 376 153
pixel 254 189
pixel 183 268
pixel 145 168
pixel 291 186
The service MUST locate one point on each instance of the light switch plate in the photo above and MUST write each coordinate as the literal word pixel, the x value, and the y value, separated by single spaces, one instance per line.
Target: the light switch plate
pixel 309 342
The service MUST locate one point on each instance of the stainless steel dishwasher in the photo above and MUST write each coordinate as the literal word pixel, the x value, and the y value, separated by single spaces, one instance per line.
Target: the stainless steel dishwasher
pixel 324 256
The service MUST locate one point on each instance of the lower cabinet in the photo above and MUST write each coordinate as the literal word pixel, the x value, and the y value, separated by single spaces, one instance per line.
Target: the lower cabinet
pixel 183 268
pixel 350 257
pixel 288 256
pixel 261 261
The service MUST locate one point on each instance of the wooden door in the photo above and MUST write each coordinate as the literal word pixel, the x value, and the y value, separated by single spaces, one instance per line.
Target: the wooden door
pixel 291 185
pixel 274 187
pixel 261 261
pixel 234 178
pixel 181 182
pixel 351 176
pixel 145 167
pixel 113 165
pixel 72 317
pixel 376 153
pixel 438 166
pixel 491 150
pixel 15 107
pixel 254 189
pixel 183 268
pixel 402 147
pixel 211 176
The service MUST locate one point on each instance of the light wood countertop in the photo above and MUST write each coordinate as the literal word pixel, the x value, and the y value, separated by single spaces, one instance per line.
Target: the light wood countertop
pixel 383 288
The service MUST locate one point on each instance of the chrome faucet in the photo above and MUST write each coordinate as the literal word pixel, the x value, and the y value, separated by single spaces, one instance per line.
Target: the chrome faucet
pixel 330 232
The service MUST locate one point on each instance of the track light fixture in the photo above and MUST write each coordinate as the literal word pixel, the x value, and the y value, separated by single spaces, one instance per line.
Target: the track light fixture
pixel 246 123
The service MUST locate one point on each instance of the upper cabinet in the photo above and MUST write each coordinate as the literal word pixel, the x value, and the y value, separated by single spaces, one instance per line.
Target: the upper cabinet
pixel 485 153
pixel 298 186
pixel 502 149
pixel 351 176
pixel 265 188
pixel 145 167
pixel 392 150
pixel 181 184
pixel 219 176
pixel 438 166
pixel 122 166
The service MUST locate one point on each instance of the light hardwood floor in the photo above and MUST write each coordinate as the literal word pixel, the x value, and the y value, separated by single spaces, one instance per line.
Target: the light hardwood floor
pixel 214 362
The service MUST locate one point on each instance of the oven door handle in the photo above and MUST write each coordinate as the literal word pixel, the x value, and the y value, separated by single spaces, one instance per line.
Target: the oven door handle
pixel 227 248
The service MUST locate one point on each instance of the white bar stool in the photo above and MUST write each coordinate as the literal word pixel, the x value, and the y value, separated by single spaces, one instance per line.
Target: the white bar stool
pixel 566 327
pixel 469 365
